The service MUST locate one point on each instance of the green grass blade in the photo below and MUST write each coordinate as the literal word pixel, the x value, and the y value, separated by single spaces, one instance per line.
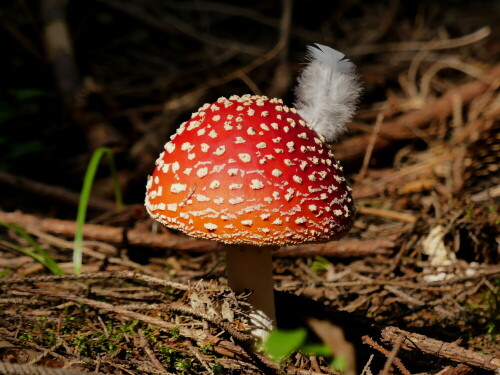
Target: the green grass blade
pixel 39 254
pixel 30 253
pixel 84 199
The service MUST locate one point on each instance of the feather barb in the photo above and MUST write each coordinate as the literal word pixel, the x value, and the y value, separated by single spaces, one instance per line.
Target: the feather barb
pixel 328 91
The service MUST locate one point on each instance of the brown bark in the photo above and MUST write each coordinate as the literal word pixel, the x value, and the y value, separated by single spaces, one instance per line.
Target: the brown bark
pixel 341 249
pixel 458 370
pixel 415 341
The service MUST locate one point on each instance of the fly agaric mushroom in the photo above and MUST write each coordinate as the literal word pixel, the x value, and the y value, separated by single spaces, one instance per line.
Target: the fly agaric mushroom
pixel 256 174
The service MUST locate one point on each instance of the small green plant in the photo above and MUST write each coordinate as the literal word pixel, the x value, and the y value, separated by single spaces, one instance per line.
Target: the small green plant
pixel 129 327
pixel 26 336
pixel 321 265
pixel 217 368
pixel 206 349
pixel 469 211
pixel 150 334
pixel 280 344
pixel 46 333
pixel 109 342
pixel 175 359
pixel 5 271
pixel 487 309
pixel 168 354
pixel 183 365
pixel 84 199
pixel 38 253
pixel 339 364
pixel 175 332
pixel 491 328
pixel 27 93
pixel 491 300
pixel 84 344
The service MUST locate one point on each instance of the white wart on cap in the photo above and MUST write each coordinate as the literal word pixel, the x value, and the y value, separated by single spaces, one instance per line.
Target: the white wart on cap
pixel 250 170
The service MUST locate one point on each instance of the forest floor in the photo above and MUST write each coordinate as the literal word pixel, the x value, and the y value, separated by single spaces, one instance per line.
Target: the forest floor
pixel 414 288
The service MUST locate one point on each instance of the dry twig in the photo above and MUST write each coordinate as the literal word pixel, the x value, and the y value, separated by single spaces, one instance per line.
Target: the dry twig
pixel 452 351
pixel 397 362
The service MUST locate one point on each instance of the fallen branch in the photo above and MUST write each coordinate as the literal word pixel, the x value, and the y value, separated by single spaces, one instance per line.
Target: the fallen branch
pixel 451 351
pixel 150 280
pixel 108 233
pixel 117 235
pixel 407 125
pixel 340 249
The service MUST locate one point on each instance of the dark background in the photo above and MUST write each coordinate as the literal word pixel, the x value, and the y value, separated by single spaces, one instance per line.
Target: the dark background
pixel 136 69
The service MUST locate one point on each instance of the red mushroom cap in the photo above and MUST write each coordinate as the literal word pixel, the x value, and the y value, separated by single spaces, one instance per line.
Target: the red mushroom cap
pixel 250 170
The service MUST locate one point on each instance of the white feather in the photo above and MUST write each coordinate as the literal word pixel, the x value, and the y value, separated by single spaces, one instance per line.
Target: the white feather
pixel 327 92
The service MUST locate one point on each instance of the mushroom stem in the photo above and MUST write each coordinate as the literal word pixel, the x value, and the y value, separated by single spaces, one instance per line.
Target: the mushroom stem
pixel 251 267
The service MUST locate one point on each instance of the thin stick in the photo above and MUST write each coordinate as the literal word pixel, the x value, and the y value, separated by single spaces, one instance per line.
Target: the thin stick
pixel 154 360
pixel 366 369
pixel 432 45
pixel 369 149
pixel 392 356
pixel 96 275
pixel 394 215
pixel 397 362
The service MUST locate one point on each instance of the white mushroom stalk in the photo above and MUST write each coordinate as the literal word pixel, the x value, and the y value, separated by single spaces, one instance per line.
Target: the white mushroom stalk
pixel 328 91
pixel 250 268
